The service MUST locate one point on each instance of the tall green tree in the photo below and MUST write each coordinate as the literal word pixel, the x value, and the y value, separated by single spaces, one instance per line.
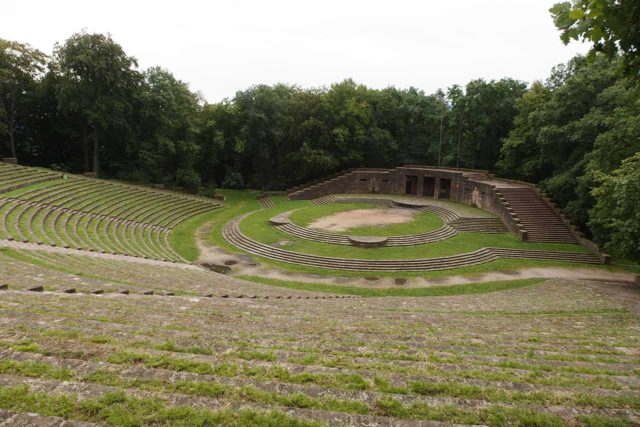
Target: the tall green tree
pixel 20 68
pixel 489 110
pixel 615 218
pixel 168 128
pixel 584 119
pixel 97 80
pixel 613 26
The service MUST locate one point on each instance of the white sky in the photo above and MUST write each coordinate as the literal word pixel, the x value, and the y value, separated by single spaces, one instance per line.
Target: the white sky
pixel 220 47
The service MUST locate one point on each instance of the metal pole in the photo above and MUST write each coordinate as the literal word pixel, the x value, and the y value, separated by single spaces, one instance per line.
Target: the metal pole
pixel 459 135
pixel 440 144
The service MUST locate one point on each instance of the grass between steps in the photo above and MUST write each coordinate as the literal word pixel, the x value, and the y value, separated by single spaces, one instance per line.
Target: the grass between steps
pixel 468 288
pixel 116 408
pixel 387 405
pixel 24 256
pixel 19 191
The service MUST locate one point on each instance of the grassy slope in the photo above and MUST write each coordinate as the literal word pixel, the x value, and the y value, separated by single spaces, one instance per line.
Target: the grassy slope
pixel 237 202
pixel 422 222
pixel 469 288
pixel 183 237
pixel 19 191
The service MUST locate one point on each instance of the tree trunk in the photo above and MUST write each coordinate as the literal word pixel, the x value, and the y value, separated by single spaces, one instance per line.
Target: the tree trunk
pixel 12 143
pixel 85 148
pixel 96 152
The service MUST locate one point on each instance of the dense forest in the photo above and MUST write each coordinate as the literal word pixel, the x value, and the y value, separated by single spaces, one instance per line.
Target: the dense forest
pixel 88 107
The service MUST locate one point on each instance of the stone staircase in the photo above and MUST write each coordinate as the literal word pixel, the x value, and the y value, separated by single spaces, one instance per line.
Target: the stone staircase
pixel 266 202
pixel 299 191
pixel 479 225
pixel 540 221
pixel 330 185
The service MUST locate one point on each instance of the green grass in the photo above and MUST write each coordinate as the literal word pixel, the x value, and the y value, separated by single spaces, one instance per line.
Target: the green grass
pixel 237 202
pixel 243 201
pixel 421 223
pixel 116 408
pixel 183 237
pixel 257 227
pixel 469 288
pixel 19 191
pixel 27 258
pixel 34 370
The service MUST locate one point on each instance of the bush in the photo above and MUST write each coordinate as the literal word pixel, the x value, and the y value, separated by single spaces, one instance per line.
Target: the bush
pixel 615 218
pixel 234 181
pixel 188 179
pixel 208 190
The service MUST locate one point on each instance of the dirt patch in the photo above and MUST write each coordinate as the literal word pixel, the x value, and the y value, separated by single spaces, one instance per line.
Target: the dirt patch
pixel 342 221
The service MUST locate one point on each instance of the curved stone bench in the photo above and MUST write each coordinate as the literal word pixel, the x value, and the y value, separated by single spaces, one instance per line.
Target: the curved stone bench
pixel 368 241
pixel 231 232
pixel 281 219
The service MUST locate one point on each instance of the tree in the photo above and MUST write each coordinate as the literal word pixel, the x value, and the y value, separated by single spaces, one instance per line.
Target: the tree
pixel 97 81
pixel 582 120
pixel 615 218
pixel 168 126
pixel 20 67
pixel 489 109
pixel 611 25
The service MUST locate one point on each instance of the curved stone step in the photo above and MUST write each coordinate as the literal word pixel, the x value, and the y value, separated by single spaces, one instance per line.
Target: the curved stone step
pixel 232 233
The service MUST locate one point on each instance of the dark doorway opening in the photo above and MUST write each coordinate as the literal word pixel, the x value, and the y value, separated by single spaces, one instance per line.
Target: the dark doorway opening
pixel 429 186
pixel 445 188
pixel 411 185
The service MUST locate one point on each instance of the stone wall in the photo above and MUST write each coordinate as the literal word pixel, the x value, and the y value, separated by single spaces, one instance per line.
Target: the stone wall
pixel 460 185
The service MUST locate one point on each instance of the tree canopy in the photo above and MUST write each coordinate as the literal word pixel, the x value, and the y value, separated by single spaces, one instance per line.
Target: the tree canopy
pixel 613 26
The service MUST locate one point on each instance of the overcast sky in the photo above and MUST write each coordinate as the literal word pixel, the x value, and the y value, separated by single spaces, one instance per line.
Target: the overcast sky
pixel 220 47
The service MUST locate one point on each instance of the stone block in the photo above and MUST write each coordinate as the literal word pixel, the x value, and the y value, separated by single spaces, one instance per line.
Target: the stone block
pixel 368 241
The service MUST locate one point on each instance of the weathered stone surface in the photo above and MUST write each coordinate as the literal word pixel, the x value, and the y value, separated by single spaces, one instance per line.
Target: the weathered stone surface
pixel 368 241
pixel 222 269
pixel 281 219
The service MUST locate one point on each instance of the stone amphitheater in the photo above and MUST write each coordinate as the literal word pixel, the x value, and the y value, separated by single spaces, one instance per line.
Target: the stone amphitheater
pixel 511 206
pixel 111 314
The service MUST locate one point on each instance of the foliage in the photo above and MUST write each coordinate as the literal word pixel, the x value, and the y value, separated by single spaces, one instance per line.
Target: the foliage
pixel 234 181
pixel 615 218
pixel 96 82
pixel 20 67
pixel 611 25
pixel 148 126
pixel 188 179
pixel 582 120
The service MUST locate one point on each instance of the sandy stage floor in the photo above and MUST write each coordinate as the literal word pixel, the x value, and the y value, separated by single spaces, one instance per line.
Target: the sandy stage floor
pixel 363 218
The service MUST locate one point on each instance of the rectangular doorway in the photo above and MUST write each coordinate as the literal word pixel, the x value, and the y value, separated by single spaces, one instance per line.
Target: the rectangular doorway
pixel 445 188
pixel 429 186
pixel 411 185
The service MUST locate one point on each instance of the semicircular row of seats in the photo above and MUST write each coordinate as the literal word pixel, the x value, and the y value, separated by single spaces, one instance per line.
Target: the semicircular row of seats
pixel 232 234
pixel 98 215
pixel 13 177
